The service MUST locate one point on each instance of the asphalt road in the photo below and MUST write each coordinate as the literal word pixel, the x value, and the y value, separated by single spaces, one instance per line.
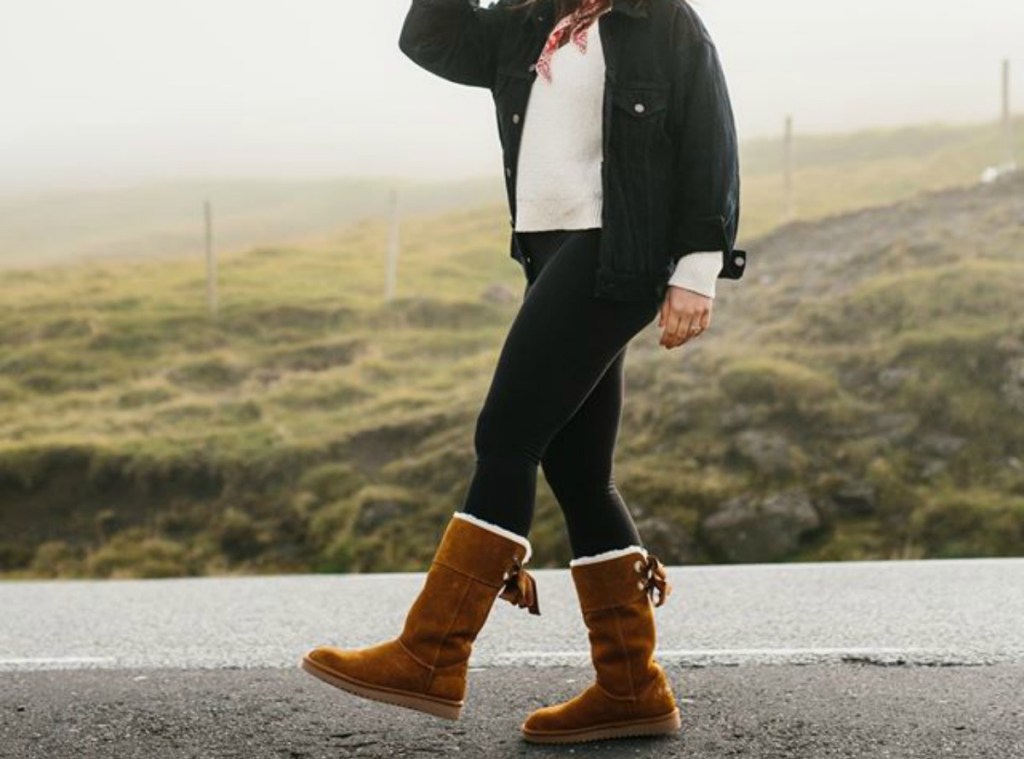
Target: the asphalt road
pixel 907 659
pixel 814 711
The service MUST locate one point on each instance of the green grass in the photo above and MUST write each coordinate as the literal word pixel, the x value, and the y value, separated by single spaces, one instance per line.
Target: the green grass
pixel 313 427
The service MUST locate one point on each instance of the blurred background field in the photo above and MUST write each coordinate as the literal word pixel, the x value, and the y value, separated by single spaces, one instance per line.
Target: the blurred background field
pixel 831 173
pixel 860 394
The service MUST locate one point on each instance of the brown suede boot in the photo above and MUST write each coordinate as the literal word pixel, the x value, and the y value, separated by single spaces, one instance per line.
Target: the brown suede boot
pixel 424 668
pixel 632 695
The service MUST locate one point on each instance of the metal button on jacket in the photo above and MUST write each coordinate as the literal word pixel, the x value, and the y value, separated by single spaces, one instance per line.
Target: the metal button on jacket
pixel 638 107
pixel 515 118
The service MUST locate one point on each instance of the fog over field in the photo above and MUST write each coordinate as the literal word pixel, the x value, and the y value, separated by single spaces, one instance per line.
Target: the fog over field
pixel 115 91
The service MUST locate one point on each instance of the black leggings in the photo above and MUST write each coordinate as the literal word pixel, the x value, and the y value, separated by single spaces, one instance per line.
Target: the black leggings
pixel 556 398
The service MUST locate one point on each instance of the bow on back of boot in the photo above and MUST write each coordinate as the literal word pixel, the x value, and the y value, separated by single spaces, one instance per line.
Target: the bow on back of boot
pixel 656 580
pixel 520 588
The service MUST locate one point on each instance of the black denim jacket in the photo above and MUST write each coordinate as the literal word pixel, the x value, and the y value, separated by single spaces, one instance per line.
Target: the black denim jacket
pixel 670 168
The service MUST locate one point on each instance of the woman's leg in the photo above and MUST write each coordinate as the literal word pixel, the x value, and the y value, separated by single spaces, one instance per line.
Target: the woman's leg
pixel 559 348
pixel 578 461
pixel 578 466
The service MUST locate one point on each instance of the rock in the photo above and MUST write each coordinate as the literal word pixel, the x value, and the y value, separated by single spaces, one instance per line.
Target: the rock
pixel 855 376
pixel 265 377
pixel 376 512
pixel 755 528
pixel 1013 387
pixel 737 415
pixel 892 377
pixel 941 444
pixel 767 451
pixel 672 422
pixel 894 426
pixel 932 468
pixel 499 293
pixel 667 540
pixel 855 498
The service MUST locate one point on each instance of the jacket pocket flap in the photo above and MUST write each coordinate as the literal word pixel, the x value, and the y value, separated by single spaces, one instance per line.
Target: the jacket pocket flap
pixel 640 101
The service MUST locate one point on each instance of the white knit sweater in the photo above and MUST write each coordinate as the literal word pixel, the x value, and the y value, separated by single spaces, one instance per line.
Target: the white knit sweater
pixel 559 172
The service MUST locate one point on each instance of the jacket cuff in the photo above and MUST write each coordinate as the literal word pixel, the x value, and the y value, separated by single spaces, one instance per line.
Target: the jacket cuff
pixel 698 272
pixel 712 233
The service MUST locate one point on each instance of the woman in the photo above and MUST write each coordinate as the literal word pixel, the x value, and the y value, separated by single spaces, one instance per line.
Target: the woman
pixel 623 188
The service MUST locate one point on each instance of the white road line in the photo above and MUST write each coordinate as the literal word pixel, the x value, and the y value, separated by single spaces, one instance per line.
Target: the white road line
pixel 839 651
pixel 737 654
pixel 61 661
pixel 699 657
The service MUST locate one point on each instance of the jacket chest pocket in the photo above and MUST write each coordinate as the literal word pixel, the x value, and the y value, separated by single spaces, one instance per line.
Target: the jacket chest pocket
pixel 640 149
pixel 643 103
pixel 638 119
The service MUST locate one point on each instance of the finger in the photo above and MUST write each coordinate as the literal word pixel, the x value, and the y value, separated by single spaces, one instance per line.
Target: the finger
pixel 682 325
pixel 693 327
pixel 697 325
pixel 678 339
pixel 671 327
pixel 704 319
pixel 680 335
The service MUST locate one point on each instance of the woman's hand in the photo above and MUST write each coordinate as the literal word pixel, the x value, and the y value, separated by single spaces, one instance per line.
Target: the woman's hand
pixel 684 315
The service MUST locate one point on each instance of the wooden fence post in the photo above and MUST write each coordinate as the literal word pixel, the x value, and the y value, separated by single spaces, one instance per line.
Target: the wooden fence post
pixel 1008 145
pixel 211 262
pixel 787 171
pixel 393 247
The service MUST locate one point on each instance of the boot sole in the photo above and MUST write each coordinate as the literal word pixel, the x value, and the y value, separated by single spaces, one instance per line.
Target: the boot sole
pixel 634 728
pixel 436 706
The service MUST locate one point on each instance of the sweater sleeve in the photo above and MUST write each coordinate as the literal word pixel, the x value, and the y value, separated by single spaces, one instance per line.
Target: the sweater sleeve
pixel 698 272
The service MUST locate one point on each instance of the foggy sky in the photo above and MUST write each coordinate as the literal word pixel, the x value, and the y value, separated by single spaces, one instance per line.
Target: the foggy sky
pixel 109 91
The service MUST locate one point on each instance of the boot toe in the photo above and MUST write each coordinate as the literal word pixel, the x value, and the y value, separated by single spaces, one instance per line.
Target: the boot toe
pixel 383 672
pixel 326 656
pixel 347 661
pixel 381 663
pixel 594 714
pixel 576 713
pixel 542 720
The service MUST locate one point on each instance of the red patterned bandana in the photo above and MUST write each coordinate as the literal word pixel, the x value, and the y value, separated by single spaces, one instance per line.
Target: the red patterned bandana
pixel 574 26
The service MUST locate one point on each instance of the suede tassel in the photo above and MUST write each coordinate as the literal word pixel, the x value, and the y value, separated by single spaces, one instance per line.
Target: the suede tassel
pixel 520 588
pixel 657 580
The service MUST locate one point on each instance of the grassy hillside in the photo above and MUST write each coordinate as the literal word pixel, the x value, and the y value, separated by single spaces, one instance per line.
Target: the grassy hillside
pixel 123 405
pixel 838 172
pixel 859 395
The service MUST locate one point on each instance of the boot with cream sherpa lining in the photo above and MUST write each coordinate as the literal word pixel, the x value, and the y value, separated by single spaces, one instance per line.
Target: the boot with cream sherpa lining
pixel 424 668
pixel 631 695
